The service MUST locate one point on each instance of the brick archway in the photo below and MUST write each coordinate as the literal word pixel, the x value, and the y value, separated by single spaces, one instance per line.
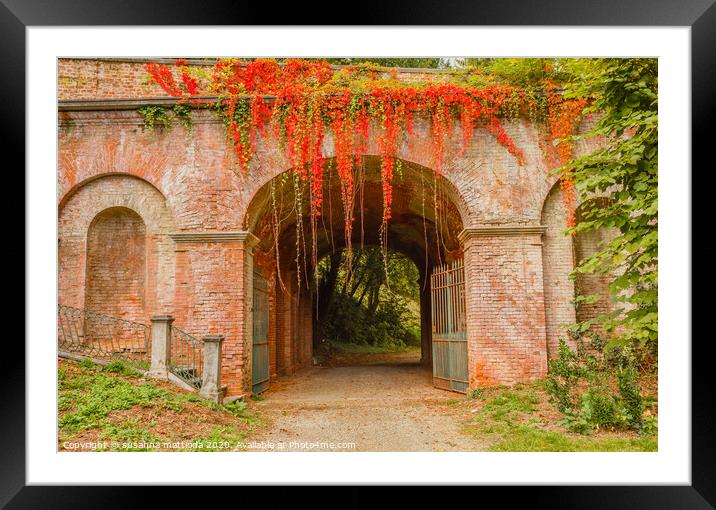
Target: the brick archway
pixel 201 215
pixel 426 233
pixel 116 192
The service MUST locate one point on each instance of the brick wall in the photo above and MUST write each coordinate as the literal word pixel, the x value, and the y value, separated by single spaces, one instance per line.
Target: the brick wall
pixel 185 181
pixel 586 244
pixel 212 291
pixel 90 79
pixel 505 309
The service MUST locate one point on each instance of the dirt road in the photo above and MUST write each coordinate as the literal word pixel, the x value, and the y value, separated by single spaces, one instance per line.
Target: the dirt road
pixel 390 406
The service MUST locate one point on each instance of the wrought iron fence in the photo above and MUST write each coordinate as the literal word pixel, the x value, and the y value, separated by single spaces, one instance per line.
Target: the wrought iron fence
pixel 101 336
pixel 186 357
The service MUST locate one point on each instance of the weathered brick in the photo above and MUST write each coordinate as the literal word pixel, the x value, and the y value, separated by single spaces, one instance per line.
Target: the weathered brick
pixel 124 193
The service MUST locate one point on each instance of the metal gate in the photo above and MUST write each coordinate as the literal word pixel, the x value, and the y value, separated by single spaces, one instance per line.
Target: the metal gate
pixel 260 348
pixel 447 286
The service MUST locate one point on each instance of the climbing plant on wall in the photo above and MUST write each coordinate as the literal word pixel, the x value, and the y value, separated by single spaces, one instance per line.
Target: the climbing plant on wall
pixel 623 175
pixel 302 102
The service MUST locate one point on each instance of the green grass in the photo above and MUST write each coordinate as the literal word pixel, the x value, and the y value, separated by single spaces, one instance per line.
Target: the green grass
pixel 509 422
pixel 89 396
pixel 531 438
pixel 220 437
pixel 351 348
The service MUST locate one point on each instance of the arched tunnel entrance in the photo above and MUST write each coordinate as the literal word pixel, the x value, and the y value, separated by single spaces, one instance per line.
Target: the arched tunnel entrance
pixel 369 314
pixel 298 253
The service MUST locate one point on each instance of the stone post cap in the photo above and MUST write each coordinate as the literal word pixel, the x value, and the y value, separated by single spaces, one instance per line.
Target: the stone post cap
pixel 162 318
pixel 213 338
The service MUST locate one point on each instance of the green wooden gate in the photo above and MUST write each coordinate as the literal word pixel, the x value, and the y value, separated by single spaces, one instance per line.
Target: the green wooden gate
pixel 447 286
pixel 260 348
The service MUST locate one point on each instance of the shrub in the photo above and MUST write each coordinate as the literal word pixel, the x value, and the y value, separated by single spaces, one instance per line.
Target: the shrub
pixel 237 407
pixel 578 386
pixel 631 397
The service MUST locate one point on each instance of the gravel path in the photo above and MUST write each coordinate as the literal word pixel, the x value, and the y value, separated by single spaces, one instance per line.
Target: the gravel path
pixel 377 407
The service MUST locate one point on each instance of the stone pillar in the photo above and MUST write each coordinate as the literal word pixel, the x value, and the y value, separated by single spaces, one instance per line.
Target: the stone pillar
pixel 504 292
pixel 161 346
pixel 211 382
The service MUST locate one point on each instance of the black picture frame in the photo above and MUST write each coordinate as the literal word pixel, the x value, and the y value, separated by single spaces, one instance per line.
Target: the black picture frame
pixel 700 15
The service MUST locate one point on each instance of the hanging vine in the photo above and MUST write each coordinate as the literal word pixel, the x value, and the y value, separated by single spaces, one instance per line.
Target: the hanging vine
pixel 564 115
pixel 306 104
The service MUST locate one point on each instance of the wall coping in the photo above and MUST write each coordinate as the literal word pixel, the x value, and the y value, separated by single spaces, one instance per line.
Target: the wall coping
pixel 211 61
pixel 212 339
pixel 81 105
pixel 215 237
pixel 500 231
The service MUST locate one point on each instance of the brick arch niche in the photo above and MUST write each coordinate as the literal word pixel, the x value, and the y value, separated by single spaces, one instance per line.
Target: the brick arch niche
pixel 115 252
pixel 558 264
pixel 116 272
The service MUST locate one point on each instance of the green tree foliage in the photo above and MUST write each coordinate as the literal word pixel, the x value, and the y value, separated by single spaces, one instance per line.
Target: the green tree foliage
pixel 623 176
pixel 365 306
pixel 616 184
pixel 420 62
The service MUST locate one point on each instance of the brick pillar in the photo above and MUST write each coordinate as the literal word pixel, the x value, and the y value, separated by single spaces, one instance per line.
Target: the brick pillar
pixel 214 292
pixel 304 330
pixel 211 381
pixel 285 299
pixel 161 346
pixel 505 305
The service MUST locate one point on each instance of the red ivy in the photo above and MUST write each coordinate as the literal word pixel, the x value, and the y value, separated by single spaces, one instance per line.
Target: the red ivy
pixel 564 114
pixel 305 104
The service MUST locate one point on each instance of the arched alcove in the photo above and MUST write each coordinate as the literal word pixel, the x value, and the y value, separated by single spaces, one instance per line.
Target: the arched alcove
pixel 83 211
pixel 558 264
pixel 116 273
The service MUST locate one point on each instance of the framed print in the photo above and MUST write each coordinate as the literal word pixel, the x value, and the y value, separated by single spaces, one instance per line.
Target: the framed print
pixel 353 254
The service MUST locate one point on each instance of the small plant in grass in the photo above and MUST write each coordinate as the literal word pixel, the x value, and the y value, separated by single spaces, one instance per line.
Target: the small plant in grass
pixel 237 407
pixel 221 438
pixel 119 366
pixel 87 364
pixel 130 435
pixel 476 394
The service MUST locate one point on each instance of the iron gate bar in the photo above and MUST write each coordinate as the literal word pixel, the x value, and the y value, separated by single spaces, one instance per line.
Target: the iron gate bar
pixel 260 347
pixel 450 367
pixel 186 357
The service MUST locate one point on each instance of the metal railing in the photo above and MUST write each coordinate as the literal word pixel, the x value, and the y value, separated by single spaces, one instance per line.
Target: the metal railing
pixel 186 357
pixel 101 336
